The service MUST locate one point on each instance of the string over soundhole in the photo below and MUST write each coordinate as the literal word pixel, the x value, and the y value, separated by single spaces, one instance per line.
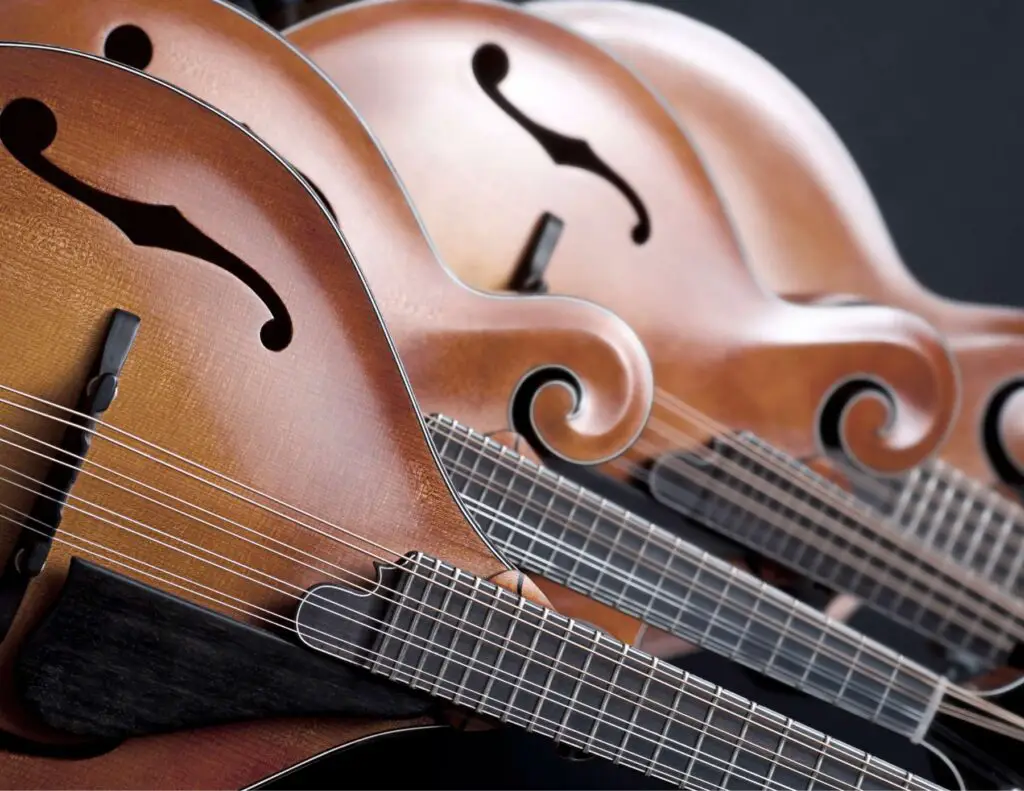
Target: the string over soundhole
pixel 28 127
pixel 491 67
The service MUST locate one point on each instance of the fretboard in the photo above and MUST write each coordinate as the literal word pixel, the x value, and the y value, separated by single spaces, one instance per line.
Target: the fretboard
pixel 550 526
pixel 489 651
pixel 956 516
pixel 770 502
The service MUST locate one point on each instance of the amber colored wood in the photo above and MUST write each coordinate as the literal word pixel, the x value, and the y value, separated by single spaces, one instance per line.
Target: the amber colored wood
pixel 716 339
pixel 464 351
pixel 327 425
pixel 459 347
pixel 803 211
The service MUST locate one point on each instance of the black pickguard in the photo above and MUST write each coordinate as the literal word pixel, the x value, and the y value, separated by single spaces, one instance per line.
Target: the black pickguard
pixel 115 658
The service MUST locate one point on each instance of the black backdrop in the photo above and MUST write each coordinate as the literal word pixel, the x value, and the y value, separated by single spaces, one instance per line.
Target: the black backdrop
pixel 927 95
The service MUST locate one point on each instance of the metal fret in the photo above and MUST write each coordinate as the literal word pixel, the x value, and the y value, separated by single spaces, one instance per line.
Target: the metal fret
pixel 598 693
pixel 655 576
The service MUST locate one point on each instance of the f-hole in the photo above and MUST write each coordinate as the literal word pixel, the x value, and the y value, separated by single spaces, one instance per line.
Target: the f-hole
pixel 28 127
pixel 490 67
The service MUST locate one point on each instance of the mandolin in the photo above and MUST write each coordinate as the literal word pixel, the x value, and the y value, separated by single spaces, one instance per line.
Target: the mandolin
pixel 543 523
pixel 724 351
pixel 226 507
pixel 811 226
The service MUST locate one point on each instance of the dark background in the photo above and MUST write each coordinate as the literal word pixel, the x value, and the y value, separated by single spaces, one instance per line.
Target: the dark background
pixel 927 96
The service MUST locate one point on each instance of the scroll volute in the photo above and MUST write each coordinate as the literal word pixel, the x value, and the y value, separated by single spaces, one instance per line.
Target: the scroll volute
pixel 495 117
pixel 803 210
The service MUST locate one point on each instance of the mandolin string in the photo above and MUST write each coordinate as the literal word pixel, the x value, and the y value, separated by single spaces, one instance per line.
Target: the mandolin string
pixel 730 574
pixel 134 450
pixel 193 517
pixel 754 507
pixel 228 492
pixel 172 467
pixel 676 746
pixel 1003 614
pixel 169 536
pixel 805 480
pixel 897 688
pixel 515 464
pixel 174 538
pixel 895 662
pixel 163 463
pixel 155 530
pixel 869 524
pixel 965 580
pixel 417 608
pixel 951 481
pixel 926 583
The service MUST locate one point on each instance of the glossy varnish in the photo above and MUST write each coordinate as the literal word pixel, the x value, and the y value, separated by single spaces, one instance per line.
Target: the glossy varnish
pixel 481 181
pixel 326 424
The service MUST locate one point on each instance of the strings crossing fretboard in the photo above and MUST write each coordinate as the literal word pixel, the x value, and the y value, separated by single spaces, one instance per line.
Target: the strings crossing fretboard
pixel 550 526
pixel 768 501
pixel 485 649
pixel 954 515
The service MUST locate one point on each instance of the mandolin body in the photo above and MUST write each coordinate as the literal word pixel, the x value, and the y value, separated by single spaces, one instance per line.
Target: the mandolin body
pixel 314 411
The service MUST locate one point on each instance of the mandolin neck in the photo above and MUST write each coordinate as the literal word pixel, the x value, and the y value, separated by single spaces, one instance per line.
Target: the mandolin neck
pixel 770 502
pixel 550 526
pixel 483 648
pixel 954 515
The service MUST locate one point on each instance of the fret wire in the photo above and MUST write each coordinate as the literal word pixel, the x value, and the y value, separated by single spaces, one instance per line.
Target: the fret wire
pixel 965 509
pixel 923 497
pixel 528 657
pixel 606 697
pixel 732 766
pixel 648 679
pixel 515 618
pixel 948 495
pixel 897 668
pixel 595 638
pixel 1016 565
pixel 816 771
pixel 815 649
pixel 708 715
pixel 396 664
pixel 527 499
pixel 932 537
pixel 663 734
pixel 550 676
pixel 858 651
pixel 998 546
pixel 977 533
pixel 634 568
pixel 470 664
pixel 445 602
pixel 906 495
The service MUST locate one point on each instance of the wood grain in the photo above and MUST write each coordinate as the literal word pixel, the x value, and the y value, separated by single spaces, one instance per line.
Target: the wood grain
pixel 462 350
pixel 327 425
pixel 717 341
pixel 802 208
